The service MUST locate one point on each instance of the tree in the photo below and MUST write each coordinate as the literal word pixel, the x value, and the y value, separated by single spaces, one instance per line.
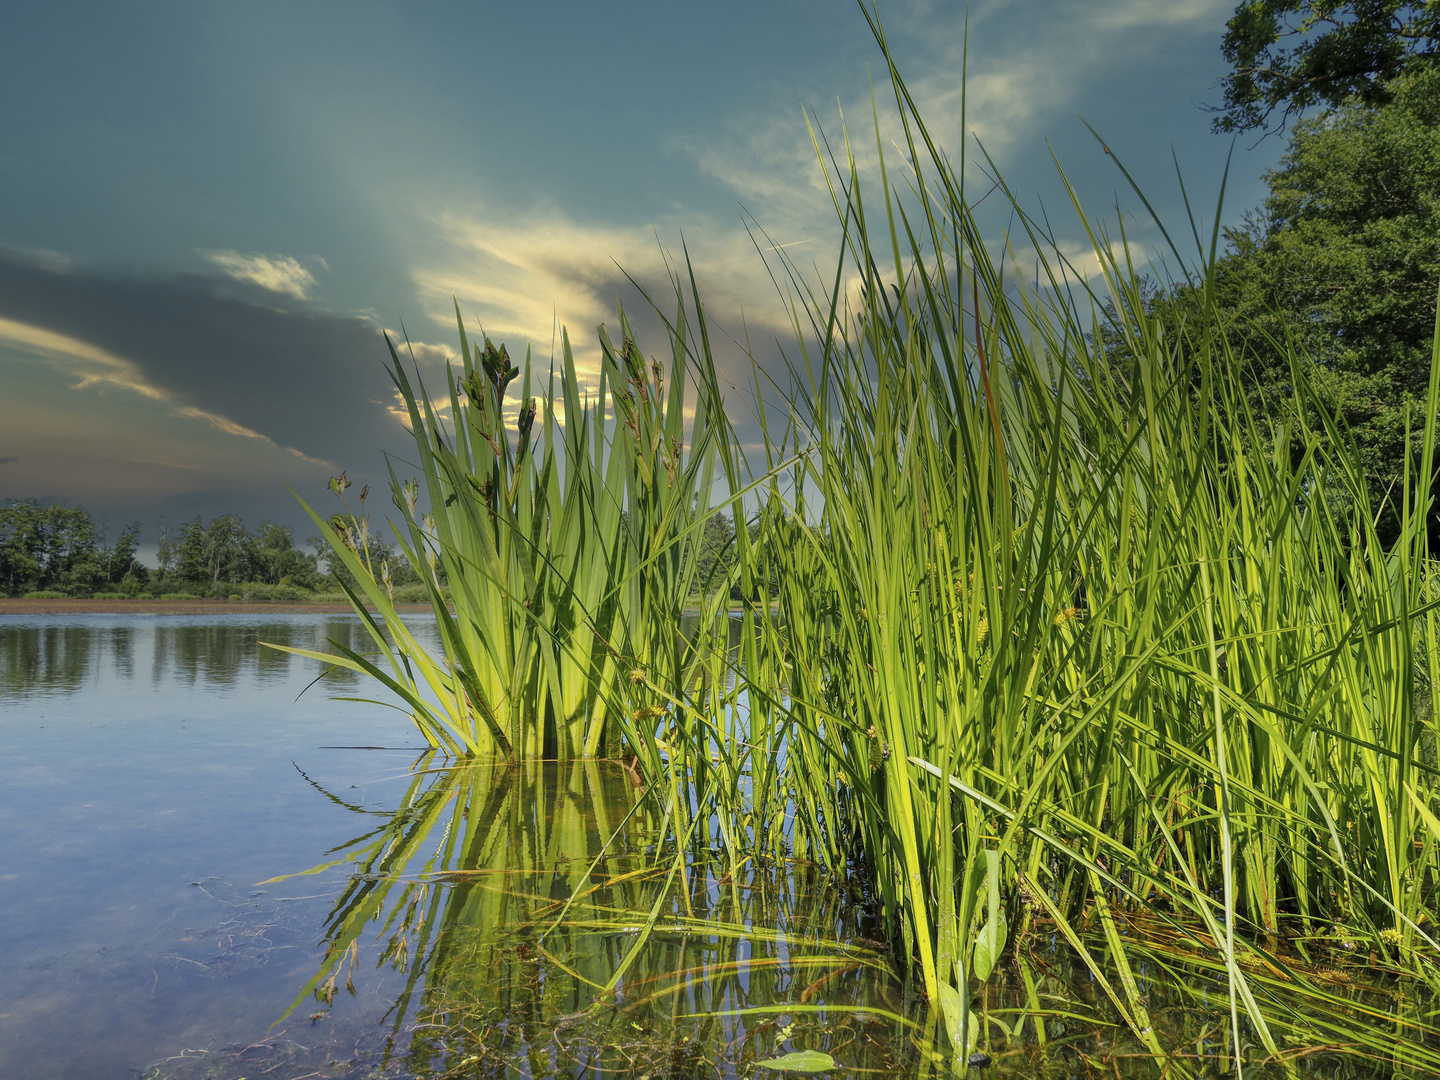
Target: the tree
pixel 1292 54
pixel 20 554
pixel 1343 264
pixel 120 560
pixel 372 547
pixel 219 552
pixel 716 550
pixel 278 562
pixel 44 546
pixel 165 552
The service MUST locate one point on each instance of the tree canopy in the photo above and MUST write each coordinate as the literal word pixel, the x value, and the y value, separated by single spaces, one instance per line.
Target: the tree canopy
pixel 44 546
pixel 1341 267
pixel 1287 56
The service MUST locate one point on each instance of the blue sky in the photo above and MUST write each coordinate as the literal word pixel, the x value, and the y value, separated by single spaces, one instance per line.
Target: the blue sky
pixel 209 212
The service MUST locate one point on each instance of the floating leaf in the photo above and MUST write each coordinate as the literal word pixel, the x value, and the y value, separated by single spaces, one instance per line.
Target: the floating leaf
pixel 806 1061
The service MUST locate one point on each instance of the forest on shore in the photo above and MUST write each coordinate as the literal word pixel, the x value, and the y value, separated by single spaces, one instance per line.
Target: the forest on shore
pixel 48 551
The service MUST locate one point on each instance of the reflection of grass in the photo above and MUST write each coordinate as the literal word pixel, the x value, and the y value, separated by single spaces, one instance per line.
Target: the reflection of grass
pixel 510 897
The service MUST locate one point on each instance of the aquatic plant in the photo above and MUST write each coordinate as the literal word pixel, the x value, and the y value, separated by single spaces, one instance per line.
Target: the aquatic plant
pixel 1070 626
pixel 1066 636
pixel 559 565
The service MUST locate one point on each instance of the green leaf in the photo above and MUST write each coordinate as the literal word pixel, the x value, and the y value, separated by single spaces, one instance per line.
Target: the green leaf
pixel 989 943
pixel 806 1061
pixel 960 1023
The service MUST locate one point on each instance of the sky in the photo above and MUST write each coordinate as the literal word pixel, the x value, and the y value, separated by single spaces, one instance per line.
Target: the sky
pixel 211 213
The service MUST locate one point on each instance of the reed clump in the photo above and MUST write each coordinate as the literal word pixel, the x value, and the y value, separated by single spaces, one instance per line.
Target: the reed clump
pixel 557 550
pixel 1066 634
pixel 1078 629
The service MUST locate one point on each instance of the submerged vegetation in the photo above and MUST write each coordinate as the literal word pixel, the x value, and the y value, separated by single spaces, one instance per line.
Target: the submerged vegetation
pixel 1067 641
pixel 512 896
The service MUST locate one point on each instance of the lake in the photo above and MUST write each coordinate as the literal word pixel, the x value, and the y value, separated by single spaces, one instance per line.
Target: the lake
pixel 159 771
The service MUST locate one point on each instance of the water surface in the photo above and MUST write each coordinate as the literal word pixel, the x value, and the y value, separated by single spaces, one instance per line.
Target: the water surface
pixel 154 771
pixel 159 770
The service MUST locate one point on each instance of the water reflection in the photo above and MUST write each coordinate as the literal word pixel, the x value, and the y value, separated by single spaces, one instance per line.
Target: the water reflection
pixel 545 927
pixel 49 659
pixel 41 658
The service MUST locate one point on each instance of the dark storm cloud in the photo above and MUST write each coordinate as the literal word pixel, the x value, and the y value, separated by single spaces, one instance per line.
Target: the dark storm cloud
pixel 304 379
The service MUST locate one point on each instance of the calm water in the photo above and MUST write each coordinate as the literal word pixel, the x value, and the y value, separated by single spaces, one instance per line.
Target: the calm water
pixel 157 769
pixel 152 775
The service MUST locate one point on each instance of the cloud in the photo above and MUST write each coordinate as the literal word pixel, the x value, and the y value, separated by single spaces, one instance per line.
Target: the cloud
pixel 1026 72
pixel 1021 73
pixel 93 365
pixel 96 367
pixel 10 460
pixel 277 273
pixel 521 281
pixel 305 381
pixel 424 353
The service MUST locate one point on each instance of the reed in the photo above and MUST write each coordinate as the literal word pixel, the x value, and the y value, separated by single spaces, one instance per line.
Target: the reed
pixel 1079 635
pixel 1066 634
pixel 558 550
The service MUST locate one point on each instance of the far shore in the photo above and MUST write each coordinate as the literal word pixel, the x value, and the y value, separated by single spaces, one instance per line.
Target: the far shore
pixel 146 606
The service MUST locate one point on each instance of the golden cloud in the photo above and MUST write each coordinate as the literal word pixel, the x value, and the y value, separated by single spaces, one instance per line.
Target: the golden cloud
pixel 94 366
pixel 277 273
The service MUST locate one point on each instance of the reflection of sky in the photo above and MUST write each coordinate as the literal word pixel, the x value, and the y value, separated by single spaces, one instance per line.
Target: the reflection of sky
pixel 153 774
pixel 208 212
pixel 157 768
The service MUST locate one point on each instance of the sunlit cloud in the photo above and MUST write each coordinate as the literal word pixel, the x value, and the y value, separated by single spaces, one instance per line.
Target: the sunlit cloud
pixel 95 367
pixel 277 273
pixel 230 427
pixel 1019 76
pixel 397 407
pixel 91 365
pixel 520 276
pixel 164 462
pixel 425 354
pixel 522 283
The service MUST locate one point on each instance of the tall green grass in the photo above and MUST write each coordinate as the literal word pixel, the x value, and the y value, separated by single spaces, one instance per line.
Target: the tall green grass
pixel 1066 634
pixel 558 549
pixel 1073 624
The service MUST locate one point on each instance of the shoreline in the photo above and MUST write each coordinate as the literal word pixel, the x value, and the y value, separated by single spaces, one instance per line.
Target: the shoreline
pixel 19 606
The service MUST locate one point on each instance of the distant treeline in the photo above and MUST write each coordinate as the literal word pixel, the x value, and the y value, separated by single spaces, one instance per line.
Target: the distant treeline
pixel 59 550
